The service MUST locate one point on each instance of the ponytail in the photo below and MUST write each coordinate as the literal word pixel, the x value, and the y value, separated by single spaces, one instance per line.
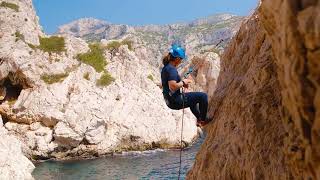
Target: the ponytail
pixel 167 59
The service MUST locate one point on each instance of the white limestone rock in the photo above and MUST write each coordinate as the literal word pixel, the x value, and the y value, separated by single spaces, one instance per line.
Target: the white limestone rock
pixel 13 164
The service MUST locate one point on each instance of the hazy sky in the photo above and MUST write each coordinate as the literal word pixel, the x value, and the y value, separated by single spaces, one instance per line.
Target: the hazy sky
pixel 54 13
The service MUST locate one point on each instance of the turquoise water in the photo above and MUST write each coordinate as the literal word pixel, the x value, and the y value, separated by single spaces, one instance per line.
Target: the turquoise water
pixel 157 164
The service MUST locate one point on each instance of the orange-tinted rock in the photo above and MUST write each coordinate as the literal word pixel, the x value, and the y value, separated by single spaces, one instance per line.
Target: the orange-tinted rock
pixel 266 105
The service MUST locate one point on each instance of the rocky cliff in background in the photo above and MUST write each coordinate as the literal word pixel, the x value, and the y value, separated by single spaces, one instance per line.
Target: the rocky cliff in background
pixel 198 36
pixel 204 40
pixel 267 99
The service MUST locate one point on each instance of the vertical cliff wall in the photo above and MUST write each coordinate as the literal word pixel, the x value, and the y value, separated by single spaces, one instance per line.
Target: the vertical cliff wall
pixel 294 29
pixel 266 105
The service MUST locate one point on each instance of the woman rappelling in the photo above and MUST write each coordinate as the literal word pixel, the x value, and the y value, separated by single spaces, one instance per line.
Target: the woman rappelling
pixel 173 87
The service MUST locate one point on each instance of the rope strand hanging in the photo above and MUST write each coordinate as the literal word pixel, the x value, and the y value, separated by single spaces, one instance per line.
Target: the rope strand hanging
pixel 181 136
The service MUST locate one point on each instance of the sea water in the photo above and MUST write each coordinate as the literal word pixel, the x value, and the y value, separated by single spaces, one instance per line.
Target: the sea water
pixel 155 164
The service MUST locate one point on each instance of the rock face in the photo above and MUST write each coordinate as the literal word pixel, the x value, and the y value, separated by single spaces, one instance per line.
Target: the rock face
pixel 13 164
pixel 266 103
pixel 205 70
pixel 94 29
pixel 54 105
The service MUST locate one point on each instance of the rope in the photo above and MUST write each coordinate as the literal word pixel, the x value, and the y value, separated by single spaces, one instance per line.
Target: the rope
pixel 180 162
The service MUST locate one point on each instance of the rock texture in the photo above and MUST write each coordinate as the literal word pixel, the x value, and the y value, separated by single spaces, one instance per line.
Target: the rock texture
pixel 266 102
pixel 13 163
pixel 204 70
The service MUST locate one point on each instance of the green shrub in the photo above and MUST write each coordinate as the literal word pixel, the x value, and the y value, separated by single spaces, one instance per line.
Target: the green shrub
pixel 113 45
pixel 12 101
pixel 150 77
pixel 50 79
pixel 94 57
pixel 105 79
pixel 53 44
pixel 19 36
pixel 86 76
pixel 128 43
pixel 31 46
pixel 10 5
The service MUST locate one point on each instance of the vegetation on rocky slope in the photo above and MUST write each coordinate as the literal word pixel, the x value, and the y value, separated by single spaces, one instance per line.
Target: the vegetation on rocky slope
pixel 53 44
pixel 86 76
pixel 94 57
pixel 150 77
pixel 114 45
pixel 10 5
pixel 19 36
pixel 105 79
pixel 54 78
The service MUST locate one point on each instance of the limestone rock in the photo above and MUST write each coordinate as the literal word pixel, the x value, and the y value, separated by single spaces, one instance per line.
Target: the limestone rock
pixel 243 120
pixel 1 122
pixel 205 71
pixel 65 136
pixel 13 164
pixel 294 30
pixel 266 101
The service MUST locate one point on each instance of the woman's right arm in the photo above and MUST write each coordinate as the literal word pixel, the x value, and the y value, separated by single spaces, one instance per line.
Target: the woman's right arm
pixel 174 85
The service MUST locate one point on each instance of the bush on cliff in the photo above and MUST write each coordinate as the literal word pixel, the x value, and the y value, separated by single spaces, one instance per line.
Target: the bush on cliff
pixel 19 36
pixel 150 77
pixel 86 76
pixel 51 79
pixel 105 79
pixel 10 5
pixel 128 43
pixel 53 44
pixel 94 57
pixel 114 45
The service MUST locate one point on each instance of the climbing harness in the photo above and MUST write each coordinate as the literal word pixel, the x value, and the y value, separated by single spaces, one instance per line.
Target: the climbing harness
pixel 180 162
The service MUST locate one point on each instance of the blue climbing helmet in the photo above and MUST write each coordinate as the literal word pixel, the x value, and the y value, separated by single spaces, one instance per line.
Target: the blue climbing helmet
pixel 177 51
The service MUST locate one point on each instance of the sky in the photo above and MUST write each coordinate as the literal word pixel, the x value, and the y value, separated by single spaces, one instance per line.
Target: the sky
pixel 54 13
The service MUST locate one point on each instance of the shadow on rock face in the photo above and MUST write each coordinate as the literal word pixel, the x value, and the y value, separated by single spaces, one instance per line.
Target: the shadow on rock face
pixel 10 89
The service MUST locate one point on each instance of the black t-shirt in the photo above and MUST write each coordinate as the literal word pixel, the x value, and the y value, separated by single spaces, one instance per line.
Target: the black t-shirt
pixel 169 73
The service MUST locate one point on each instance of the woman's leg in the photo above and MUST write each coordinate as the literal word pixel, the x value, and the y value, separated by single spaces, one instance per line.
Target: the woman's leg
pixel 178 104
pixel 193 98
pixel 193 106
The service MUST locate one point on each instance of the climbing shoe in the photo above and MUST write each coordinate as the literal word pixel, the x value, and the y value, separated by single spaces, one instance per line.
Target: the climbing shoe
pixel 201 123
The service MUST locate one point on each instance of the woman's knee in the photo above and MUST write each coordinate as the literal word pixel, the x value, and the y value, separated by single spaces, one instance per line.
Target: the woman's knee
pixel 204 97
